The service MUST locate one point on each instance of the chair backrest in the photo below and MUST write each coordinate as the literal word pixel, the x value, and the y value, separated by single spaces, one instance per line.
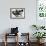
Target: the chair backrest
pixel 24 37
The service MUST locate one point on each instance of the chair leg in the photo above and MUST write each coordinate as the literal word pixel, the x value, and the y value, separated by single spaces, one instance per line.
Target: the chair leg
pixel 5 43
pixel 5 40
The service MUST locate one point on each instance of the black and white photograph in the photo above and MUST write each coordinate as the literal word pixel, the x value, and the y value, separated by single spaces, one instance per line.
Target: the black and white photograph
pixel 17 13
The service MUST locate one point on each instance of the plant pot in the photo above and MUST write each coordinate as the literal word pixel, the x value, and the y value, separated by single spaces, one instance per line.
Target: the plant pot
pixel 40 41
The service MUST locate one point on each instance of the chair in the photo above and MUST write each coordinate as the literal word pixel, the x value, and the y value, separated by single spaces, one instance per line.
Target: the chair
pixel 14 32
pixel 7 34
pixel 25 37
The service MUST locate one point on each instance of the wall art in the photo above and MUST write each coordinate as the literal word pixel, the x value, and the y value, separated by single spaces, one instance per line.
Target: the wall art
pixel 17 13
pixel 41 12
pixel 41 8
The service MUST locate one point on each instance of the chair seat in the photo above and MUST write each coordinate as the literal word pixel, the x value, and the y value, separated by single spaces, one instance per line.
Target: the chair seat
pixel 9 34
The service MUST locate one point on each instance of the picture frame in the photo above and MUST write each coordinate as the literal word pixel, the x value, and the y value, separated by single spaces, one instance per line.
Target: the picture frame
pixel 41 9
pixel 17 13
pixel 41 12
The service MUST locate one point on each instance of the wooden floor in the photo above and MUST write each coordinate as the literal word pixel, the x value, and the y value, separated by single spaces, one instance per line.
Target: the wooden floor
pixel 13 44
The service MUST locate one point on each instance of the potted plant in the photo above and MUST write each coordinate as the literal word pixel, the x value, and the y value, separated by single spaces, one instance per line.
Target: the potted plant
pixel 39 35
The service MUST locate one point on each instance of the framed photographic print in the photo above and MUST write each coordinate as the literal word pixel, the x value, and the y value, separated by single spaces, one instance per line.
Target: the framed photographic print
pixel 41 8
pixel 41 12
pixel 17 13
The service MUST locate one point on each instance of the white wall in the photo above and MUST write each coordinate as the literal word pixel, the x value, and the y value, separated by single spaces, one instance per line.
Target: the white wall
pixel 23 24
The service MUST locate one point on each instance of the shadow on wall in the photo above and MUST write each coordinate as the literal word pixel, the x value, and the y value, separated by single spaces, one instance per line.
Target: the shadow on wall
pixel 2 33
pixel 7 30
